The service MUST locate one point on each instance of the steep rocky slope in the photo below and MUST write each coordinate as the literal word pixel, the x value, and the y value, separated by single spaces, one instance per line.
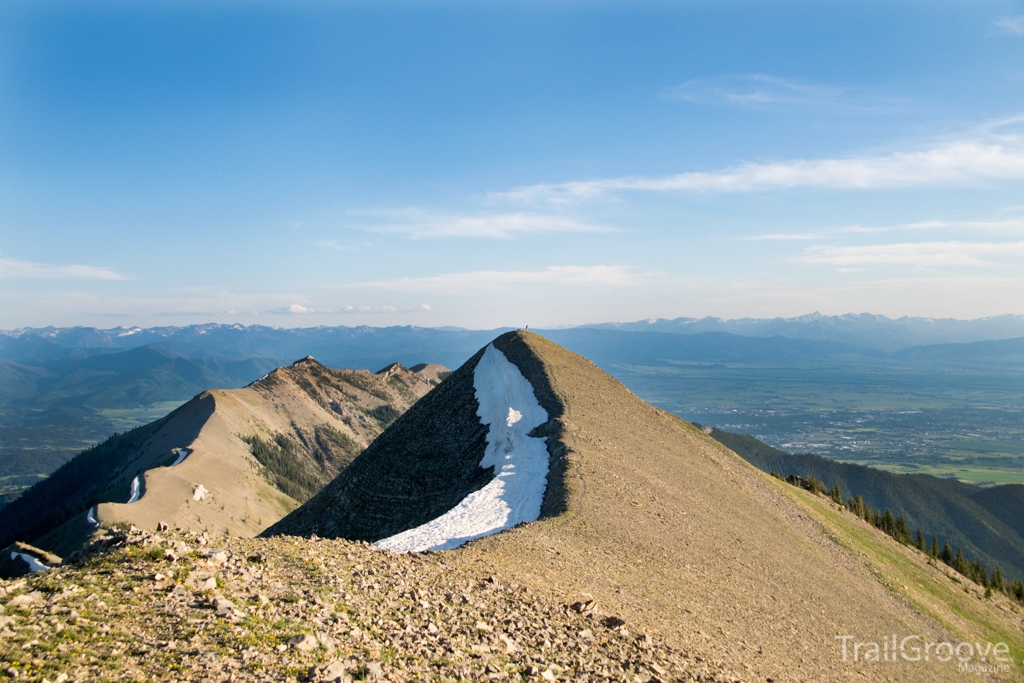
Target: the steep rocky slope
pixel 657 521
pixel 227 462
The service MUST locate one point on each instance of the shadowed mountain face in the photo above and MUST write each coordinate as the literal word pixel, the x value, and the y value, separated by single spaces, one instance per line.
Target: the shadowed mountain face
pixel 642 512
pixel 421 467
pixel 250 456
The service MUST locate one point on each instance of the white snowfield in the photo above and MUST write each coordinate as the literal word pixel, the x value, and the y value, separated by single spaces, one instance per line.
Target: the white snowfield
pixel 136 491
pixel 182 454
pixel 510 408
pixel 34 565
pixel 91 516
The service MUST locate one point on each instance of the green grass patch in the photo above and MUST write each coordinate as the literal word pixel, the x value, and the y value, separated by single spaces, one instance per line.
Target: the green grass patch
pixel 927 588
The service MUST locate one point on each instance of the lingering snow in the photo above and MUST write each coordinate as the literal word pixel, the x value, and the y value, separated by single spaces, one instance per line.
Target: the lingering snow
pixel 34 565
pixel 509 407
pixel 182 454
pixel 91 516
pixel 136 491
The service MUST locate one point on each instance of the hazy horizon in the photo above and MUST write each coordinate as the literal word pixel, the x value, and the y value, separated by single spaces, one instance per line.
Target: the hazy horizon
pixel 801 318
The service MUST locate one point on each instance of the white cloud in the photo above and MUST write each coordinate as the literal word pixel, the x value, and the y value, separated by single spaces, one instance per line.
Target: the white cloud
pixel 299 309
pixel 783 236
pixel 754 91
pixel 921 254
pixel 12 269
pixel 420 224
pixel 1011 226
pixel 334 245
pixel 961 162
pixel 1007 226
pixel 1014 26
pixel 615 276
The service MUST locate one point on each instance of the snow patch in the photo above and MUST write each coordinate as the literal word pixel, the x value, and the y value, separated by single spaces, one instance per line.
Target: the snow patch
pixel 136 491
pixel 182 454
pixel 91 516
pixel 509 407
pixel 34 565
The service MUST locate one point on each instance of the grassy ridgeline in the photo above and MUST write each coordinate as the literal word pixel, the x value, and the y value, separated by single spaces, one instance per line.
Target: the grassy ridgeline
pixel 986 524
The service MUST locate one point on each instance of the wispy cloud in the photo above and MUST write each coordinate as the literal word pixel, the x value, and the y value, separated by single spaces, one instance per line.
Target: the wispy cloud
pixel 921 254
pixel 754 91
pixel 334 245
pixel 615 276
pixel 299 309
pixel 782 236
pixel 13 269
pixel 1004 227
pixel 1013 26
pixel 961 162
pixel 421 224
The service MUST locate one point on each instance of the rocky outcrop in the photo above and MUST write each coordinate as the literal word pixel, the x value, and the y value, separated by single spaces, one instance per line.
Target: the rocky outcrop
pixel 19 559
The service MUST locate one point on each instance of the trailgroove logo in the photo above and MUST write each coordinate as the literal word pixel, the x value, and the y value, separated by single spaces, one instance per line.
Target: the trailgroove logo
pixel 981 658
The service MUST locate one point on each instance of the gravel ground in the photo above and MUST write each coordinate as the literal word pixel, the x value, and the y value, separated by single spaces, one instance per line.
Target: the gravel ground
pixel 179 606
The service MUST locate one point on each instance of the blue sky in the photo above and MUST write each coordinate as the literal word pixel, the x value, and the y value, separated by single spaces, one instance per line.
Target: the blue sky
pixel 507 163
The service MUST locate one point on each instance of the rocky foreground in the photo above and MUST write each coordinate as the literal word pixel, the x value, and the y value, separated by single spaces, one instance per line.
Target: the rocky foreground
pixel 177 606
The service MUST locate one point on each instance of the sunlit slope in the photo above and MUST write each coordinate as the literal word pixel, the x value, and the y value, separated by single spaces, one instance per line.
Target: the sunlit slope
pixel 647 514
pixel 955 602
pixel 253 454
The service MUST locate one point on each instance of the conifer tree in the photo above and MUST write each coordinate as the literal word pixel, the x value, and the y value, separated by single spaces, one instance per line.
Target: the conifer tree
pixel 837 494
pixel 935 548
pixel 960 564
pixel 947 554
pixel 921 545
pixel 888 523
pixel 998 581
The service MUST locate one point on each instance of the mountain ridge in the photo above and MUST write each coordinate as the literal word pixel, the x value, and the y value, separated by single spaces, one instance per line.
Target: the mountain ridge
pixel 650 517
pixel 252 454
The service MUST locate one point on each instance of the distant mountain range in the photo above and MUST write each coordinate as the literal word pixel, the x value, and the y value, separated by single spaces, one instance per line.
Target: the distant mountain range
pixel 353 347
pixel 863 329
